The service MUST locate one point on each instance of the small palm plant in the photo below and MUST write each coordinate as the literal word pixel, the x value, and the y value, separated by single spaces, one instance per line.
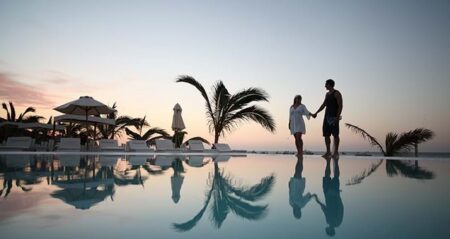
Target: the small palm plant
pixel 227 197
pixel 149 135
pixel 394 143
pixel 112 131
pixel 178 139
pixel 11 116
pixel 224 110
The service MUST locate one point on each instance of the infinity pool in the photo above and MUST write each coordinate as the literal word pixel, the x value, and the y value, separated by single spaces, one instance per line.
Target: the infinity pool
pixel 257 196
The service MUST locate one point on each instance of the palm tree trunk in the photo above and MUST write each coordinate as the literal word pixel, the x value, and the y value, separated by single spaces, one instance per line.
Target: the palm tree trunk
pixel 216 137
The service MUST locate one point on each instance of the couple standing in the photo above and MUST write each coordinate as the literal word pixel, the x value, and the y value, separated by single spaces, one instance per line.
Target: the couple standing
pixel 333 105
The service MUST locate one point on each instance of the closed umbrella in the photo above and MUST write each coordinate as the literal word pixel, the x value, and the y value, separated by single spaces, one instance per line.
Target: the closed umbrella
pixel 177 120
pixel 177 124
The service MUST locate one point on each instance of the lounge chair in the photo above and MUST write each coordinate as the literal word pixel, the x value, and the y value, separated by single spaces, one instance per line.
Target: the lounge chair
pixel 164 160
pixel 108 160
pixel 138 146
pixel 137 160
pixel 165 145
pixel 221 158
pixel 197 161
pixel 222 147
pixel 109 145
pixel 68 160
pixel 18 144
pixel 69 144
pixel 197 145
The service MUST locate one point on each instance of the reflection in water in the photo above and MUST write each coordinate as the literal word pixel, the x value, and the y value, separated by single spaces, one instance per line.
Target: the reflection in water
pixel 18 171
pixel 84 185
pixel 406 169
pixel 394 168
pixel 176 181
pixel 333 208
pixel 297 185
pixel 225 196
pixel 364 174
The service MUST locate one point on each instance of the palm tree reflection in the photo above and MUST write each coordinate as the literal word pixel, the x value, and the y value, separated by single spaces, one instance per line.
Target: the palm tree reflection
pixel 406 169
pixel 226 197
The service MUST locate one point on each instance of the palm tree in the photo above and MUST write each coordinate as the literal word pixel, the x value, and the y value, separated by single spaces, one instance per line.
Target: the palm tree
pixel 148 135
pixel 11 116
pixel 226 197
pixel 225 111
pixel 111 131
pixel 394 143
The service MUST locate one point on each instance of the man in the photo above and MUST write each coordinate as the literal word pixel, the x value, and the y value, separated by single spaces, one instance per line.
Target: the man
pixel 333 105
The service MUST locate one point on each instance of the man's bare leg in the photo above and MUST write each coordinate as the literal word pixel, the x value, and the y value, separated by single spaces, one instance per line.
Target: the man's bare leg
pixel 327 144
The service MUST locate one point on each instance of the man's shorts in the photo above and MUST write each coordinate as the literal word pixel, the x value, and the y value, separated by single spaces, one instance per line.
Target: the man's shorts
pixel 329 128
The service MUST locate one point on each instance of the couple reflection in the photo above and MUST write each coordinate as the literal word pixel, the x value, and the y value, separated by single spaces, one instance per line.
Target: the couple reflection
pixel 332 208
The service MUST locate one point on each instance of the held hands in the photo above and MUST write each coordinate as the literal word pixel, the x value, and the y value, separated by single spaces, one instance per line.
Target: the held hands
pixel 313 115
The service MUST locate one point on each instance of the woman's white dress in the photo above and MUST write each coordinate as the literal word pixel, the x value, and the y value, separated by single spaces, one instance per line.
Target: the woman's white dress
pixel 296 118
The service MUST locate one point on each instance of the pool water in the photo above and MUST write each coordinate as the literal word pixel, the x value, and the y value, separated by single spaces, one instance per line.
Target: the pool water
pixel 257 196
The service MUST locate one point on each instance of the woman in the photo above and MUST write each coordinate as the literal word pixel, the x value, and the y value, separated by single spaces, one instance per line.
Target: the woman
pixel 296 122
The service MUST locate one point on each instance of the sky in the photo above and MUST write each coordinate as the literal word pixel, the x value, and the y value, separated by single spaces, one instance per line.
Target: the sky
pixel 390 60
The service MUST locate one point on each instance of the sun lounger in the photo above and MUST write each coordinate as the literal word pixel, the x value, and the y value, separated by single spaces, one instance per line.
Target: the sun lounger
pixel 196 161
pixel 18 143
pixel 222 147
pixel 69 144
pixel 164 160
pixel 137 160
pixel 109 145
pixel 108 160
pixel 68 160
pixel 165 145
pixel 196 145
pixel 138 146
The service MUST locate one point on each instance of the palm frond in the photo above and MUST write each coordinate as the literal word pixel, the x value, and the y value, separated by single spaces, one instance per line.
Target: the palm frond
pixel 198 138
pixel 245 209
pixel 132 134
pixel 27 110
pixel 153 131
pixel 245 97
pixel 366 136
pixel 190 80
pixel 220 100
pixel 255 192
pixel 13 111
pixel 364 174
pixel 253 113
pixel 8 115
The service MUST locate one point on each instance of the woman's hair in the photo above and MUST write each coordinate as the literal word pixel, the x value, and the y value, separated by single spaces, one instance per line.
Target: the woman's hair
pixel 297 97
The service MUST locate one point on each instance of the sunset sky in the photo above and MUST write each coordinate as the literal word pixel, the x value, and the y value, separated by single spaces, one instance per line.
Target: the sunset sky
pixel 390 60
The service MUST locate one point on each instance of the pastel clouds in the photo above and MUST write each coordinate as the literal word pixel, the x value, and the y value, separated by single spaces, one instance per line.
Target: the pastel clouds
pixel 22 94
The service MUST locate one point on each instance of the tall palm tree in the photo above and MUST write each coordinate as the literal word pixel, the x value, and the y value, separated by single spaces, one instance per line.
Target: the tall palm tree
pixel 149 134
pixel 226 197
pixel 225 111
pixel 394 143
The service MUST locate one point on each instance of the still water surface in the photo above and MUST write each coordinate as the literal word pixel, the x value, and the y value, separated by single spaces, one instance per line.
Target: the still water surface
pixel 257 196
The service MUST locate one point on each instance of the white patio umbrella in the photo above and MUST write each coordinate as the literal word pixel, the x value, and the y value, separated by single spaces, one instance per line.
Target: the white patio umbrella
pixel 177 120
pixel 86 106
